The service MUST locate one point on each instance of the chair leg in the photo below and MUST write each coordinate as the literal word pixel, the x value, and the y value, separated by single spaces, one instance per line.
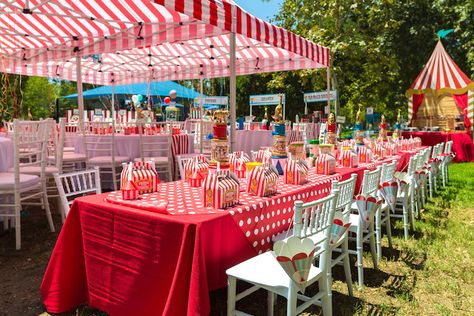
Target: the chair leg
pixel 17 226
pixel 326 300
pixel 373 251
pixel 231 291
pixel 412 210
pixel 359 244
pixel 378 232
pixel 45 206
pixel 347 264
pixel 405 220
pixel 292 296
pixel 271 303
pixel 430 176
pixel 388 228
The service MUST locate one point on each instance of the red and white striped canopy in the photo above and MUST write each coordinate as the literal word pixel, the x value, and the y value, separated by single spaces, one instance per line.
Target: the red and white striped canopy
pixel 440 75
pixel 125 41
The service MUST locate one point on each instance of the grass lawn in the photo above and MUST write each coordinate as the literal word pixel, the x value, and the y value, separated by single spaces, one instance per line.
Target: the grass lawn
pixel 430 274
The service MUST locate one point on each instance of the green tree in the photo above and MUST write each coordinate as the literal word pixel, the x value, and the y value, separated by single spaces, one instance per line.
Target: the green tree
pixel 39 96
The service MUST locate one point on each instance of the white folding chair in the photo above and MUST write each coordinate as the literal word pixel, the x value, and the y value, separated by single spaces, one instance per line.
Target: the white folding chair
pixel 75 184
pixel 27 181
pixel 71 161
pixel 344 201
pixel 364 231
pixel 311 220
pixel 387 173
pixel 100 151
pixel 406 196
pixel 446 158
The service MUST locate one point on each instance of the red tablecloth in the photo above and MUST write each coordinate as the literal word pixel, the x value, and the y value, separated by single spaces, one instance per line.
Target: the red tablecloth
pixel 463 146
pixel 127 261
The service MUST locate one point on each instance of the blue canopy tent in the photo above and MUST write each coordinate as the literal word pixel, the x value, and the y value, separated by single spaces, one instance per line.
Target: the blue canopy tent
pixel 156 89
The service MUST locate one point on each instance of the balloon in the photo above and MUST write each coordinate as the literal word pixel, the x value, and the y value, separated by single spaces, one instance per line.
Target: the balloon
pixel 134 99
pixel 140 98
pixel 210 136
pixel 173 94
pixel 167 100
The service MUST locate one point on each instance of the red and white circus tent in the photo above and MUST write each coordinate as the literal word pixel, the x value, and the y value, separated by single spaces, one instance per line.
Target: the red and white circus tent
pixel 440 76
pixel 124 41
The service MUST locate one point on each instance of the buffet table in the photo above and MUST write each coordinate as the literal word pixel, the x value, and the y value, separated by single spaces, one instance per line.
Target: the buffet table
pixel 125 260
pixel 463 146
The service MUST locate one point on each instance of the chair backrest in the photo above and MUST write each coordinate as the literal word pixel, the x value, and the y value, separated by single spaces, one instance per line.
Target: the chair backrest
pixel 346 194
pixel 370 183
pixel 420 163
pixel 388 170
pixel 8 127
pixel 316 218
pixel 449 147
pixel 56 133
pixel 427 155
pixel 99 140
pixel 30 139
pixel 181 163
pixel 75 184
pixel 412 165
pixel 154 145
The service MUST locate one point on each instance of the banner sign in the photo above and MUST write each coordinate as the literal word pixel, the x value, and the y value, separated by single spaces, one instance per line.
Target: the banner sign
pixel 266 99
pixel 370 111
pixel 212 100
pixel 340 119
pixel 319 96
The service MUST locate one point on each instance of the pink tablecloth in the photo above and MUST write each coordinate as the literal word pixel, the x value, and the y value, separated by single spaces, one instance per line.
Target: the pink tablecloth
pixel 129 145
pixel 463 146
pixel 6 154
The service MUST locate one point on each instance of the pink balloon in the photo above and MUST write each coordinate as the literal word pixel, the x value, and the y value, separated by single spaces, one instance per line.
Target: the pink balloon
pixel 167 100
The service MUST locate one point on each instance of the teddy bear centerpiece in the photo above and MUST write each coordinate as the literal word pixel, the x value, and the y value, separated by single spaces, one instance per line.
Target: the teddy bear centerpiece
pixel 383 129
pixel 220 142
pixel 359 129
pixel 279 155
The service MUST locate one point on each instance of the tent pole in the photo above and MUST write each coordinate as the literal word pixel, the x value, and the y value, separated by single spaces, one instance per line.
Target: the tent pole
pixel 113 106
pixel 80 97
pixel 201 105
pixel 233 92
pixel 328 73
pixel 148 93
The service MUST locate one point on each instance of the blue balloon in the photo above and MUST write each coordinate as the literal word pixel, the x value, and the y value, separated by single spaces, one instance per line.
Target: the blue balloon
pixel 140 98
pixel 210 136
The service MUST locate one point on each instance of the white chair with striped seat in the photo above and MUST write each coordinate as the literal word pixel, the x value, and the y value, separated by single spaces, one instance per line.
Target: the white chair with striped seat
pixel 311 220
pixel 100 152
pixel 157 148
pixel 364 231
pixel 446 158
pixel 75 184
pixel 30 154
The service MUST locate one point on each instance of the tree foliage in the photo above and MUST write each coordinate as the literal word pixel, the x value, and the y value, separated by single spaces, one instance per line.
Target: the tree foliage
pixel 377 46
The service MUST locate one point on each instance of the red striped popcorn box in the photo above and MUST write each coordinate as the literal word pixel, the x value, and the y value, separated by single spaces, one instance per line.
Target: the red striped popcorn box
pixel 141 175
pixel 325 164
pixel 236 159
pixel 296 172
pixel 380 151
pixel 348 159
pixel 264 156
pixel 241 170
pixel 262 181
pixel 196 179
pixel 220 190
pixel 392 149
pixel 129 191
pixel 199 164
pixel 364 154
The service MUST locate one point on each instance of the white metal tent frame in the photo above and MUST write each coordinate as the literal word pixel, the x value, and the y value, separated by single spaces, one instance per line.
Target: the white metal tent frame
pixel 124 41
